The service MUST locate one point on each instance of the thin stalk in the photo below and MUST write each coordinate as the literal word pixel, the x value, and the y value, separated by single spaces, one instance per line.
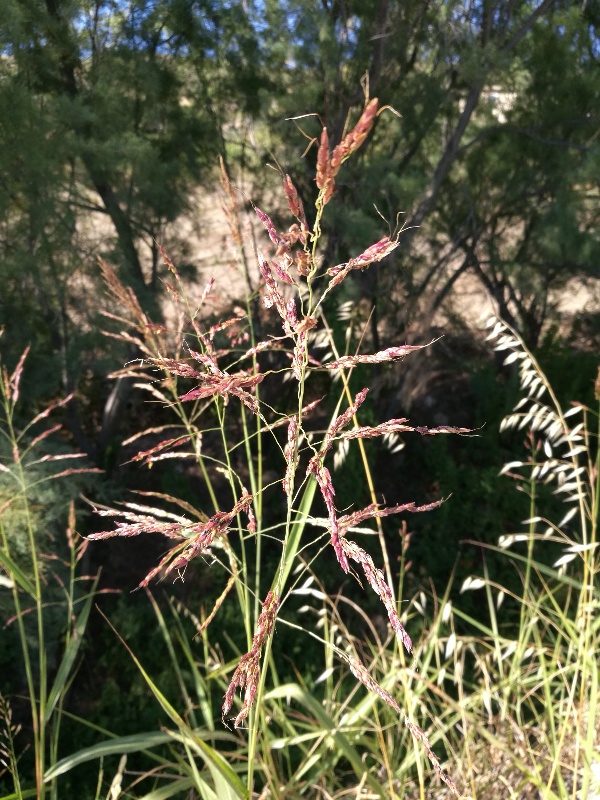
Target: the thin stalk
pixel 38 704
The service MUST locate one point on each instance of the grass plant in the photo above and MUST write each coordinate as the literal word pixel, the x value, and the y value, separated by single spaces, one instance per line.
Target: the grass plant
pixel 509 700
pixel 224 383
pixel 41 582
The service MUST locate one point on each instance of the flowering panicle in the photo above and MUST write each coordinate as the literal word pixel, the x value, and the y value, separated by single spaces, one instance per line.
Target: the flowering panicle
pixel 361 673
pixel 373 511
pixel 196 537
pixel 328 168
pixel 420 736
pixel 399 426
pixel 294 201
pixel 247 672
pixel 279 242
pixel 353 140
pixel 168 263
pixel 389 354
pixel 376 252
pixel 292 253
pixel 377 582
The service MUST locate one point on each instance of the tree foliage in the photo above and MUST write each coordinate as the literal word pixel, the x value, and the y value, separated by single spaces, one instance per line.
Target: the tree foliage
pixel 493 157
pixel 112 116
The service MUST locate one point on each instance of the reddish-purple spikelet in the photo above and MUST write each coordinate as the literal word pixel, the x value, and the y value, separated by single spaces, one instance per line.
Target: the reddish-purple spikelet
pixel 15 378
pixel 299 356
pixel 196 538
pixel 274 295
pixel 290 314
pixel 206 291
pixel 281 271
pixel 247 672
pixel 207 359
pixel 325 176
pixel 358 669
pixel 285 420
pixel 268 344
pixel 291 459
pixel 325 484
pixel 175 367
pixel 223 325
pixel 293 199
pixel 228 385
pixel 44 435
pixel 323 166
pixel 217 383
pixel 247 500
pixel 49 409
pixel 65 473
pixel 60 457
pixel 281 244
pixel 147 455
pixel 389 354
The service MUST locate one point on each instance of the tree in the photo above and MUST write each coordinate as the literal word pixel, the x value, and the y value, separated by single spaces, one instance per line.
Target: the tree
pixel 111 111
pixel 493 159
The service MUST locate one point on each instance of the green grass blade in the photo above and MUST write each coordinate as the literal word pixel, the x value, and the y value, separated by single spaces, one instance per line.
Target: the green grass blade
pixel 295 537
pixel 17 574
pixel 175 788
pixel 117 746
pixel 211 757
pixel 69 656
pixel 343 746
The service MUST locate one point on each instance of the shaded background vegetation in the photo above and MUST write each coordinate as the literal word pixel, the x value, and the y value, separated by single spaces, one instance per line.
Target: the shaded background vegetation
pixel 112 118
